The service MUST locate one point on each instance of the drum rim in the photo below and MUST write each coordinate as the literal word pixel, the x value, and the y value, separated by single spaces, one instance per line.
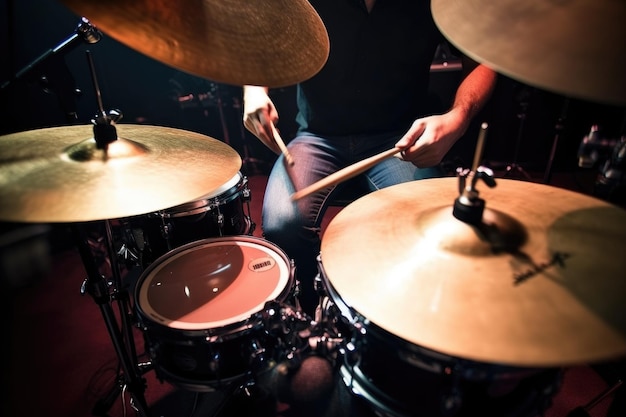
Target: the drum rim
pixel 192 207
pixel 280 293
pixel 469 369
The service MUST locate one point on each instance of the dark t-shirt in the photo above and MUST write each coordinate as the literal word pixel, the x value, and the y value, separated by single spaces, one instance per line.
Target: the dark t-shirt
pixel 376 77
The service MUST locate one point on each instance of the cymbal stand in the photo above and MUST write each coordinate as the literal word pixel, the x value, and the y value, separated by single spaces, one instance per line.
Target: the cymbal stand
pixel 63 87
pixel 104 134
pixel 514 167
pixel 97 286
pixel 558 128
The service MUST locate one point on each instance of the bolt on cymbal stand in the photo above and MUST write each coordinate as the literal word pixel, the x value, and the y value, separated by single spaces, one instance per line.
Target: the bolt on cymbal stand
pixel 97 286
pixel 514 167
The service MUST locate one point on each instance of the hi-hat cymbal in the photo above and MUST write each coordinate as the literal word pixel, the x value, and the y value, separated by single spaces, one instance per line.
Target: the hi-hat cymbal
pixel 576 48
pixel 539 283
pixel 276 44
pixel 58 174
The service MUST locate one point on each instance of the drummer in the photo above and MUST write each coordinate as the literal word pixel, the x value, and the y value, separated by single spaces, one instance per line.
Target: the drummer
pixel 370 96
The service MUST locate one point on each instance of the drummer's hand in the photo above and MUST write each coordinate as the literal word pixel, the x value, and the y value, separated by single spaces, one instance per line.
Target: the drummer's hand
pixel 259 115
pixel 430 138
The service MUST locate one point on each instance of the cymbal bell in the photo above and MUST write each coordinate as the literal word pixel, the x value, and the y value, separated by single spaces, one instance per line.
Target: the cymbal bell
pixel 59 175
pixel 540 283
pixel 575 48
pixel 237 42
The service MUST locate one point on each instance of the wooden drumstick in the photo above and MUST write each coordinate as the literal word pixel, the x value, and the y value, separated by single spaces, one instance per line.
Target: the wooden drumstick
pixel 345 173
pixel 281 145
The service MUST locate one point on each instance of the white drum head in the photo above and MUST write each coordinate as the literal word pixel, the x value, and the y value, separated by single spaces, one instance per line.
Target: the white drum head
pixel 213 282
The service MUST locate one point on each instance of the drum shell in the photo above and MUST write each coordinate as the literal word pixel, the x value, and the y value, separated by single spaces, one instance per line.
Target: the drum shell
pixel 204 356
pixel 400 379
pixel 224 212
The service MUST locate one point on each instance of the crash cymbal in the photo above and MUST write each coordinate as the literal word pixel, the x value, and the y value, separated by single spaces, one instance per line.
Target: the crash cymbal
pixel 539 283
pixel 575 47
pixel 58 175
pixel 238 42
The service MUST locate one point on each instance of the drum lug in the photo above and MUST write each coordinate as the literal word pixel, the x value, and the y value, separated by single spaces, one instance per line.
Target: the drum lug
pixel 246 194
pixel 258 356
pixel 351 354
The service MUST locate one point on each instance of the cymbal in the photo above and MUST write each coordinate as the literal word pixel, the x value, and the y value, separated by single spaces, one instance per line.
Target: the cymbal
pixel 540 283
pixel 575 48
pixel 58 175
pixel 238 42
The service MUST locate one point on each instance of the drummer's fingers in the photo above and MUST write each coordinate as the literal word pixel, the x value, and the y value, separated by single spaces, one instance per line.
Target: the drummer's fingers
pixel 266 136
pixel 412 135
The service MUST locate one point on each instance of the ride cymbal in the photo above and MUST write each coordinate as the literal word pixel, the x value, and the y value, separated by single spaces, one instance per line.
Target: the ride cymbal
pixel 58 174
pixel 575 47
pixel 275 44
pixel 539 283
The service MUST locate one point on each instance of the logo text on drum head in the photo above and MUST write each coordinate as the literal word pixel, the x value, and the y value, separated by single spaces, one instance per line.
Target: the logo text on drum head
pixel 261 264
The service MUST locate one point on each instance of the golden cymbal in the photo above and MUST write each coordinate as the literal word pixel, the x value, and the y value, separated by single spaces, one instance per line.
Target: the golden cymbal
pixel 575 48
pixel 539 283
pixel 58 175
pixel 238 42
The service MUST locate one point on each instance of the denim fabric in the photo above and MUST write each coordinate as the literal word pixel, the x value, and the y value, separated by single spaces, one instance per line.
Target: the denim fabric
pixel 295 225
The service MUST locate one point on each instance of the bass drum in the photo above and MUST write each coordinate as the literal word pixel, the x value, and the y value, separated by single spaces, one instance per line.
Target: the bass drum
pixel 207 310
pixel 399 379
pixel 224 212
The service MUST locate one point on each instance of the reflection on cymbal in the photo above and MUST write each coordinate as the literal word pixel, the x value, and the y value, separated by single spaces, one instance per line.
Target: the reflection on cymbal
pixel 238 42
pixel 575 48
pixel 540 282
pixel 58 174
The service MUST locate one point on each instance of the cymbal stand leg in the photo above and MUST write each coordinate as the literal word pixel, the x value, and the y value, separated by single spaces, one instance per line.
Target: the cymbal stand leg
pixel 97 287
pixel 558 128
pixel 514 166
pixel 119 294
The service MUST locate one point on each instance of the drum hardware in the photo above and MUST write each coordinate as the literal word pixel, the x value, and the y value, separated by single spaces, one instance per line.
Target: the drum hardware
pixel 121 334
pixel 60 81
pixel 608 156
pixel 468 206
pixel 559 127
pixel 523 99
pixel 84 31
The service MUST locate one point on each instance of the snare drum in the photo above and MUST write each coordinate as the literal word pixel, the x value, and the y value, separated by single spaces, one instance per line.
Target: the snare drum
pixel 203 309
pixel 397 378
pixel 224 212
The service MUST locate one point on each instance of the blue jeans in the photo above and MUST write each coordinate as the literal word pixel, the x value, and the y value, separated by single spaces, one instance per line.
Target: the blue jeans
pixel 294 226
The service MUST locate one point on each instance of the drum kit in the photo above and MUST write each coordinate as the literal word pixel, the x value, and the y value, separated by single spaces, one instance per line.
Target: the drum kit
pixel 451 302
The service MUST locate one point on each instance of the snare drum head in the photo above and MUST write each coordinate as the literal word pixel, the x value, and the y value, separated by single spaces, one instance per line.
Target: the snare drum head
pixel 213 282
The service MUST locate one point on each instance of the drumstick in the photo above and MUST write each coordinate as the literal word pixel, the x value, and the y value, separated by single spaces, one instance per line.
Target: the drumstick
pixel 281 145
pixel 345 173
